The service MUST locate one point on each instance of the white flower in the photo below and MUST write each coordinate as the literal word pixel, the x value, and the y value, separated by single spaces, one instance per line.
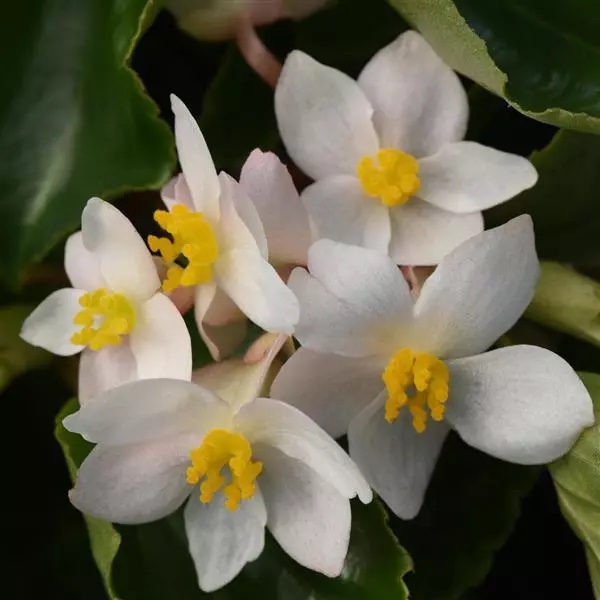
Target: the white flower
pixel 245 463
pixel 396 375
pixel 114 314
pixel 214 225
pixel 391 172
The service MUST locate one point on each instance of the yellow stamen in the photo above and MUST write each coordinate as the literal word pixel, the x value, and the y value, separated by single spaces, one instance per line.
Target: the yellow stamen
pixel 221 448
pixel 105 319
pixel 419 381
pixel 394 180
pixel 193 238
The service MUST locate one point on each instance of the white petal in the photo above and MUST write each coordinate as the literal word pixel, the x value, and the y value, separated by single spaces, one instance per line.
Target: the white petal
pixel 221 542
pixel 124 260
pixel 253 284
pixel 478 291
pixel 176 191
pixel 307 515
pixel 222 310
pixel 324 118
pixel 134 483
pixel 81 265
pixel 423 234
pixel 341 212
pixel 354 303
pixel 196 161
pixel 160 341
pixel 419 102
pixel 146 410
pixel 50 325
pixel 285 220
pixel 466 176
pixel 396 460
pixel 522 404
pixel 104 369
pixel 273 423
pixel 330 389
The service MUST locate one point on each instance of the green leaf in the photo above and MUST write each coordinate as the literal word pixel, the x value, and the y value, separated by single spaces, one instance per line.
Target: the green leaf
pixel 75 120
pixel 577 479
pixel 470 509
pixel 542 56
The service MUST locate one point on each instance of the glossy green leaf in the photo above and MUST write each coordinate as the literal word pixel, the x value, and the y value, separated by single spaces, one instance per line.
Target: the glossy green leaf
pixel 543 56
pixel 75 120
pixel 577 479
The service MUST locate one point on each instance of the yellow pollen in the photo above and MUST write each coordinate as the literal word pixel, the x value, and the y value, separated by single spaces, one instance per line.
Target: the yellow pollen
pixel 419 381
pixel 394 180
pixel 193 238
pixel 221 448
pixel 105 318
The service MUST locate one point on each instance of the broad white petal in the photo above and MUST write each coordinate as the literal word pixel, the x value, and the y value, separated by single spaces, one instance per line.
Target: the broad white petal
pixel 396 460
pixel 221 541
pixel 50 325
pixel 330 389
pixel 423 234
pixel 324 117
pixel 307 515
pixel 124 260
pixel 253 284
pixel 420 104
pixel 273 423
pixel 81 265
pixel 478 291
pixel 268 183
pixel 222 310
pixel 341 212
pixel 160 341
pixel 196 162
pixel 133 484
pixel 176 191
pixel 522 404
pixel 466 177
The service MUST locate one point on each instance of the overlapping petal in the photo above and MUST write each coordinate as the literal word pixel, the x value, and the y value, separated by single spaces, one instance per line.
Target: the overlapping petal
pixel 81 265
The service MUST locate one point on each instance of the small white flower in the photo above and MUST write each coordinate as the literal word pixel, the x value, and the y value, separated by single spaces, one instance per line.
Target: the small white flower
pixel 245 463
pixel 216 228
pixel 390 171
pixel 396 374
pixel 114 313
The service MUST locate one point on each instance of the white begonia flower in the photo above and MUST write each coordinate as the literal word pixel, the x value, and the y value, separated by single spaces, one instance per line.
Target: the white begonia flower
pixel 245 463
pixel 390 171
pixel 396 375
pixel 215 227
pixel 114 314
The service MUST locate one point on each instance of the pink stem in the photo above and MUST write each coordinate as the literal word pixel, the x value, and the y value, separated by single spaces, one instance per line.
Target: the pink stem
pixel 256 53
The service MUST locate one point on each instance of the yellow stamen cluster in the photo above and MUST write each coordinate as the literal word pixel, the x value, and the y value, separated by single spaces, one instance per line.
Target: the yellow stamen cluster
pixel 221 448
pixel 193 238
pixel 394 180
pixel 418 381
pixel 105 319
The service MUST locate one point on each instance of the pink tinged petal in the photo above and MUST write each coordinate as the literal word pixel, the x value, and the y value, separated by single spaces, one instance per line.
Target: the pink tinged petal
pixel 466 177
pixel 423 234
pixel 82 267
pixel 50 325
pixel 222 310
pixel 123 258
pixel 324 118
pixel 285 220
pixel 522 404
pixel 196 162
pixel 183 298
pixel 479 291
pixel 221 542
pixel 341 212
pixel 330 389
pixel 419 102
pixel 133 484
pixel 176 191
pixel 397 461
pixel 307 515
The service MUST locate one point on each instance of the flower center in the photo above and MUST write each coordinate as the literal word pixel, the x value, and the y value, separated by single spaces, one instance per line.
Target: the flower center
pixel 219 449
pixel 419 381
pixel 105 319
pixel 193 238
pixel 394 180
